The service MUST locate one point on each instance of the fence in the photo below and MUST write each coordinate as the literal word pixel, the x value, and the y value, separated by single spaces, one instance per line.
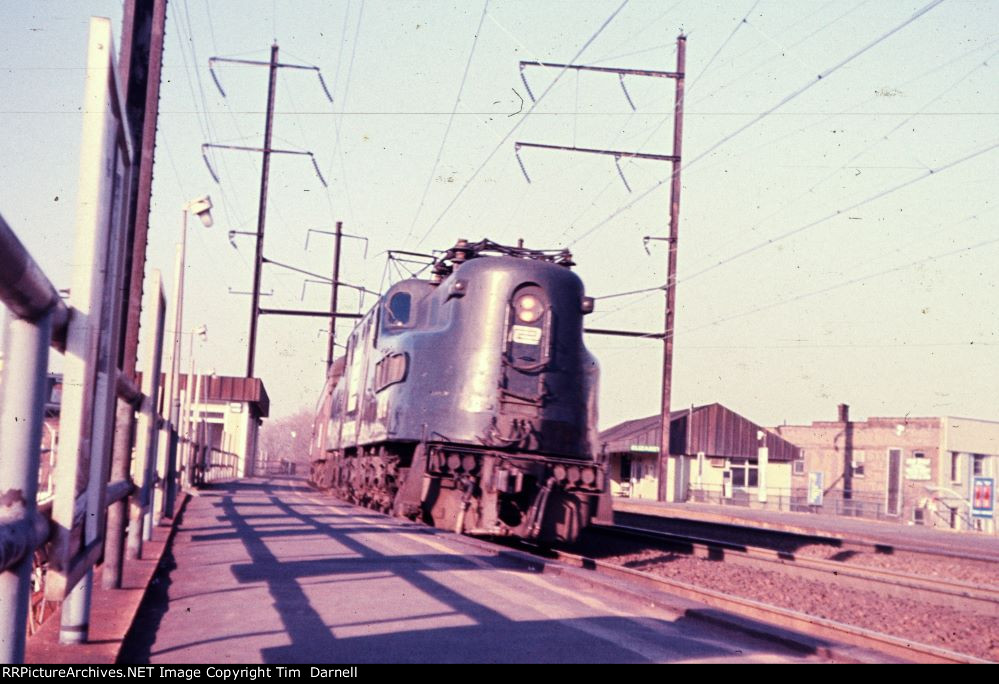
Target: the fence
pixel 793 500
pixel 100 406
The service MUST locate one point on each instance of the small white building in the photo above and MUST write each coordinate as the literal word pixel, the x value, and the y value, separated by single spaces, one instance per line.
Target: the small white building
pixel 716 456
pixel 230 409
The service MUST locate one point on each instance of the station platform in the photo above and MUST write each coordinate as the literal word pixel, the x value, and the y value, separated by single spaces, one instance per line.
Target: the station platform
pixel 269 571
pixel 861 530
pixel 111 612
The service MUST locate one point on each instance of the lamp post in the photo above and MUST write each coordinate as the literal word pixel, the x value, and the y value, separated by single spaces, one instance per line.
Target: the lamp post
pixel 203 208
pixel 192 398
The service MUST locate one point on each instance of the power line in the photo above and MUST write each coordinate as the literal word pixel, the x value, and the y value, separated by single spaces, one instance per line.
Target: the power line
pixel 524 118
pixel 935 228
pixel 630 40
pixel 839 212
pixel 721 47
pixel 658 127
pixel 845 283
pixel 762 115
pixel 839 285
pixel 338 120
pixel 756 67
pixel 878 140
pixel 457 101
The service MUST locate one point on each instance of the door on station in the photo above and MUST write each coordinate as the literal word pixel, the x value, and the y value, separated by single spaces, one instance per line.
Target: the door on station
pixel 645 486
pixel 893 503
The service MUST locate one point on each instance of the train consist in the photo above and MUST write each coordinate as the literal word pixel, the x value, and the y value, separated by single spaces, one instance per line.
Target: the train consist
pixel 468 400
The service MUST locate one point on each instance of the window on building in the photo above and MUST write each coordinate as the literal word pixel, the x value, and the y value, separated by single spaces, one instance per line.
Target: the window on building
pixel 955 466
pixel 799 463
pixel 919 454
pixel 625 468
pixel 977 464
pixel 859 461
pixel 745 473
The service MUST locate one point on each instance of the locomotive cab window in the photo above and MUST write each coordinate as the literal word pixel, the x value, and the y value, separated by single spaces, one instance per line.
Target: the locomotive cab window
pixel 399 309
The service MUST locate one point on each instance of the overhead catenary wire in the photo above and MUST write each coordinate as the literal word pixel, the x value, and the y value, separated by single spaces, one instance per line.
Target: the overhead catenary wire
pixel 450 120
pixel 762 115
pixel 879 139
pixel 839 285
pixel 840 212
pixel 338 152
pixel 845 283
pixel 520 121
pixel 648 292
pixel 655 130
pixel 184 43
pixel 757 66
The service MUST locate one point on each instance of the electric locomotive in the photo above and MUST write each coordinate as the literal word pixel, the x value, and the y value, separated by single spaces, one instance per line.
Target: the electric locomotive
pixel 468 400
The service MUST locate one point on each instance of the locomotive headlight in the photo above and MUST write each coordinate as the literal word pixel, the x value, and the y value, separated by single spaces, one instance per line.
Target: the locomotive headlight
pixel 574 474
pixel 529 308
pixel 589 476
pixel 559 472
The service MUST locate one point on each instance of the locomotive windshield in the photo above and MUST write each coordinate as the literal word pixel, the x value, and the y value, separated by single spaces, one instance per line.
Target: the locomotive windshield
pixel 398 308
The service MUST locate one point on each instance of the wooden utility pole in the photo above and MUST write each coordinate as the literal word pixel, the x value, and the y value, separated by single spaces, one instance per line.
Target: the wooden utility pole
pixel 333 296
pixel 674 221
pixel 674 226
pixel 258 261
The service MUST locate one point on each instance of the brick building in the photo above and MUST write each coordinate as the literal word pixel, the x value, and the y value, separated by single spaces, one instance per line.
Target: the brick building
pixel 911 470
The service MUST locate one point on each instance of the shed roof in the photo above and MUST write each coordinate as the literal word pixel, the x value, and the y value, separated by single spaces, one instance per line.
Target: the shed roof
pixel 233 388
pixel 712 429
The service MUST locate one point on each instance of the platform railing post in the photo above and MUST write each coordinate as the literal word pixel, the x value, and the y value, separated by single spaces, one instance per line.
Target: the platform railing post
pixel 74 627
pixel 114 540
pixel 22 410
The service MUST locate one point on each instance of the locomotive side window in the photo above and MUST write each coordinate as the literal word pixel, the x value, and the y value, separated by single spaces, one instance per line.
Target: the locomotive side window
pixel 399 307
pixel 390 370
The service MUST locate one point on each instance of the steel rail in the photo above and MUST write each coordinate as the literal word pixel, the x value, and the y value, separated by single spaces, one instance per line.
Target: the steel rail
pixel 777 616
pixel 878 546
pixel 809 625
pixel 955 594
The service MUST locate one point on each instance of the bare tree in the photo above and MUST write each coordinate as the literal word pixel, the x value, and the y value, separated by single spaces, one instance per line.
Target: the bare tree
pixel 287 439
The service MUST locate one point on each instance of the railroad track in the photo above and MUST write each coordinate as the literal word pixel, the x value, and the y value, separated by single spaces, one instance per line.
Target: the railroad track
pixel 961 596
pixel 837 632
pixel 804 537
pixel 793 628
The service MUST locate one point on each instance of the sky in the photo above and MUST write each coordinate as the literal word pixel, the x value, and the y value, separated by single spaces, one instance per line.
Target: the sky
pixel 838 234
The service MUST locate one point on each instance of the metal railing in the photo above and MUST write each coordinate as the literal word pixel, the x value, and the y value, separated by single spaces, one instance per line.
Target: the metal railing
pixel 40 320
pixel 794 500
pixel 778 498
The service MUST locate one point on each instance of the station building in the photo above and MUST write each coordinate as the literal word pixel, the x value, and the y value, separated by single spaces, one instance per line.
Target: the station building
pixel 231 410
pixel 934 471
pixel 716 456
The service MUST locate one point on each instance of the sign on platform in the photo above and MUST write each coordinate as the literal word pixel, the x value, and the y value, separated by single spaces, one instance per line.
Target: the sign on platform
pixel 983 497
